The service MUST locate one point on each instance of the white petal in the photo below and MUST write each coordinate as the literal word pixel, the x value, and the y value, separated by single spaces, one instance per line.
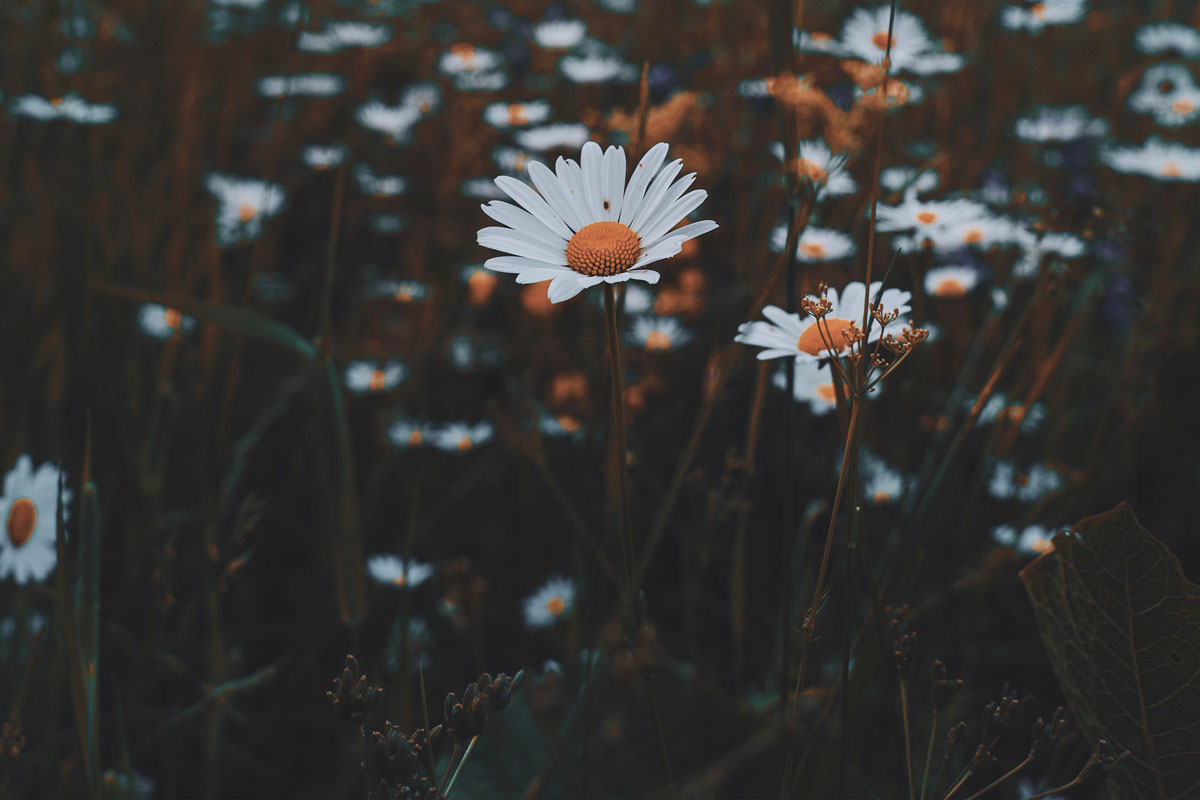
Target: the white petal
pixel 570 178
pixel 592 177
pixel 533 202
pixel 671 215
pixel 555 194
pixel 516 245
pixel 516 264
pixel 689 231
pixel 652 226
pixel 564 288
pixel 613 182
pixel 654 195
pixel 544 274
pixel 520 220
pixel 643 173
pixel 664 249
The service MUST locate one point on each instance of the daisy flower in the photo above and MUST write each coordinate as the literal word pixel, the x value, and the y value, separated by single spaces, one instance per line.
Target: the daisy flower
pixel 1159 37
pixel 379 185
pixel 398 572
pixel 71 108
pixel 402 291
pixel 658 333
pixel 512 160
pixel 242 205
pixel 462 436
pixel 596 68
pixel 405 433
pixel 908 179
pixel 880 483
pixel 559 34
pixel 340 35
pixel 1034 16
pixel 865 36
pixel 557 136
pixel 323 157
pixel 395 122
pixel 638 298
pixel 313 84
pixel 1058 124
pixel 160 322
pixel 584 225
pixel 947 282
pixel 815 245
pixel 516 115
pixel 466 352
pixel 559 425
pixel 1032 541
pixel 618 6
pixel 984 232
pixel 819 168
pixel 1169 94
pixel 998 407
pixel 1006 483
pixel 424 97
pixel 463 57
pixel 555 600
pixel 29 506
pixel 368 375
pixel 814 385
pixel 1063 245
pixel 1164 161
pixel 927 216
pixel 789 335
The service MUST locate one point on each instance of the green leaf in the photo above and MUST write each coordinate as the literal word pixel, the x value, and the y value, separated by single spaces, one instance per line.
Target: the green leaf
pixel 1121 624
pixel 239 320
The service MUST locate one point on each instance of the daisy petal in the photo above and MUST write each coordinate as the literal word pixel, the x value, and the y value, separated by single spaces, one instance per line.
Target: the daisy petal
pixel 551 189
pixel 564 288
pixel 643 173
pixel 519 220
pixel 533 202
pixel 655 193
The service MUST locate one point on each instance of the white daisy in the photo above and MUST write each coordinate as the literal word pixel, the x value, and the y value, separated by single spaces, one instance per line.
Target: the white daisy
pixel 905 179
pixel 559 34
pixel 1032 541
pixel 71 108
pixel 638 298
pixel 1159 37
pixel 516 115
pixel 815 245
pixel 865 36
pixel 880 483
pixel 998 407
pixel 949 282
pixel 559 425
pixel 343 34
pixel 1005 482
pixel 819 168
pixel 379 185
pixel 160 322
pixel 395 122
pixel 425 97
pixel 1164 161
pixel 790 335
pixel 462 436
pixel 462 58
pixel 555 600
pixel 29 507
pixel 512 160
pixel 405 433
pixel 398 572
pixel 402 291
pixel 587 226
pixel 658 333
pixel 1058 124
pixel 1035 247
pixel 618 6
pixel 1169 94
pixel 927 217
pixel 596 68
pixel 242 205
pixel 369 375
pixel 983 232
pixel 1035 16
pixel 323 157
pixel 313 84
pixel 814 385
pixel 556 136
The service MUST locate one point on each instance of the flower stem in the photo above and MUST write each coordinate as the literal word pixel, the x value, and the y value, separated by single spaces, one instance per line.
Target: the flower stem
pixel 458 770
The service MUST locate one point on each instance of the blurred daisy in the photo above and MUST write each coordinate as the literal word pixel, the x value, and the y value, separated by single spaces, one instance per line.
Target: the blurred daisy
pixel 1007 483
pixel 242 205
pixel 30 507
pixel 1032 541
pixel 1033 16
pixel 516 115
pixel 638 298
pixel 999 408
pixel 323 157
pixel 406 433
pixel 343 34
pixel 395 122
pixel 1169 94
pixel 618 6
pixel 386 223
pixel 813 385
pixel 815 245
pixel 817 42
pixel 984 233
pixel 512 160
pixel 658 333
pixel 557 136
pixel 484 80
pixel 596 68
pixel 379 185
pixel 947 282
pixel 927 216
pixel 555 600
pixel 398 572
pixel 160 322
pixel 1164 161
pixel 369 375
pixel 424 97
pixel 790 335
pixel 865 36
pixel 1058 124
pixel 313 84
pixel 466 352
pixel 819 168
pixel 587 226
pixel 559 425
pixel 908 179
pixel 481 189
pixel 1035 248
pixel 71 108
pixel 1159 37
pixel 559 34
pixel 463 57
pixel 880 483
pixel 462 436
pixel 402 291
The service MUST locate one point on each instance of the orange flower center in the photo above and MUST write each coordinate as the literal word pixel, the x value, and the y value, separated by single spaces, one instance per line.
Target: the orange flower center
pixel 465 52
pixel 950 287
pixel 569 424
pixel 880 40
pixel 465 443
pixel 22 519
pixel 926 217
pixel 377 381
pixel 480 286
pixel 246 212
pixel 1038 10
pixel 403 579
pixel 830 328
pixel 556 605
pixel 403 295
pixel 603 248
pixel 1042 546
pixel 1171 170
pixel 826 392
pixel 657 340
pixel 414 439
pixel 811 170
pixel 973 236
pixel 172 318
pixel 56 101
pixel 516 114
pixel 881 497
pixel 813 249
pixel 1182 107
pixel 820 36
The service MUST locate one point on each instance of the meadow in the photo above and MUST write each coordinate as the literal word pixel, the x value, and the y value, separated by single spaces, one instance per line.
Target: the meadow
pixel 599 398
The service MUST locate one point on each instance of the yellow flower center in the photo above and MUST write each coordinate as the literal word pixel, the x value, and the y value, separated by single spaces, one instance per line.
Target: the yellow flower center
pixel 377 381
pixel 246 212
pixel 1171 170
pixel 1182 107
pixel 813 249
pixel 403 579
pixel 926 217
pixel 569 424
pixel 820 36
pixel 973 236
pixel 1038 10
pixel 414 439
pixel 603 248
pixel 465 53
pixel 831 328
pixel 57 101
pixel 880 40
pixel 1042 546
pixel 465 443
pixel 826 392
pixel 950 287
pixel 22 519
pixel 556 605
pixel 881 497
pixel 172 318
pixel 403 294
pixel 516 114
pixel 657 340
pixel 811 170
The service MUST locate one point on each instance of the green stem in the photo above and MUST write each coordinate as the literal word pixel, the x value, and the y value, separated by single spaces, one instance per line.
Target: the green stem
pixel 929 753
pixel 458 771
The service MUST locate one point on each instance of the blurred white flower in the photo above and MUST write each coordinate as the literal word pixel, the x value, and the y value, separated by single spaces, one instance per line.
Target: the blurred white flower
pixel 1164 161
pixel 343 34
pixel 313 84
pixel 398 572
pixel 556 136
pixel 1159 37
pixel 1034 16
pixel 160 322
pixel 1169 94
pixel 516 115
pixel 658 333
pixel 369 375
pixel 555 600
pixel 71 108
pixel 1058 124
pixel 461 436
pixel 242 205
pixel 29 507
pixel 559 34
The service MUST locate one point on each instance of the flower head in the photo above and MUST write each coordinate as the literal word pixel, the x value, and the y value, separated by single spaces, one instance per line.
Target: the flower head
pixel 1035 15
pixel 864 36
pixel 559 34
pixel 584 225
pixel 71 108
pixel 1163 161
pixel 815 245
pixel 368 375
pixel 396 571
pixel 29 507
pixel 658 333
pixel 1159 37
pixel 950 282
pixel 1169 94
pixel 818 167
pixel 461 436
pixel 555 600
pixel 556 136
pixel 1058 124
pixel 242 205
pixel 161 322
pixel 516 115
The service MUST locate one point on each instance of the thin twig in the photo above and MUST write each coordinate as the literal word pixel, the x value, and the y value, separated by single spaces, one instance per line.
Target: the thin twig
pixel 461 763
pixel 1002 778
pixel 928 753
pixel 907 738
